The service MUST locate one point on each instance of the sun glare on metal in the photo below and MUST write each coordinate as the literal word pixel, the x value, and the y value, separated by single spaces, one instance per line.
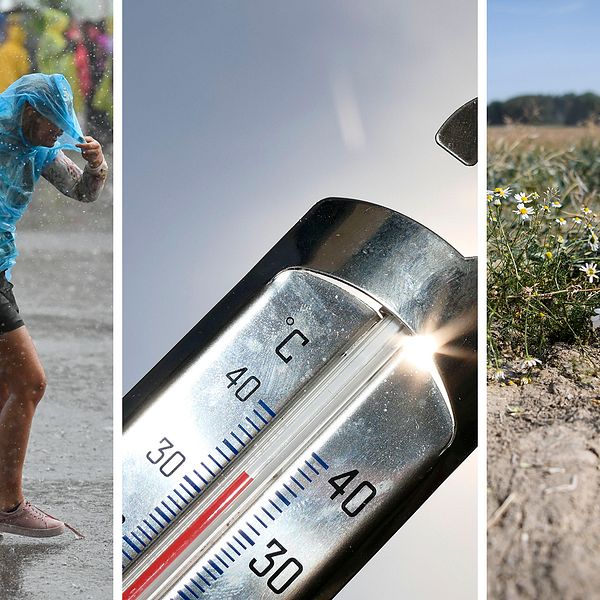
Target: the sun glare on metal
pixel 420 349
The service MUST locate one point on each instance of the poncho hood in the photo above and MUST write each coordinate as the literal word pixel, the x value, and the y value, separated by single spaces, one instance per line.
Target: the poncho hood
pixel 52 97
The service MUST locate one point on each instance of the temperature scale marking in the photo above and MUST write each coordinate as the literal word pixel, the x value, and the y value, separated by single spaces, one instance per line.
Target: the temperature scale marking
pixel 194 483
pixel 206 577
pixel 187 537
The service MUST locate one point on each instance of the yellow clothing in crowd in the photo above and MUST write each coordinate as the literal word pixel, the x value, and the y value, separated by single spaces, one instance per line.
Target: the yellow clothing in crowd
pixel 53 55
pixel 14 60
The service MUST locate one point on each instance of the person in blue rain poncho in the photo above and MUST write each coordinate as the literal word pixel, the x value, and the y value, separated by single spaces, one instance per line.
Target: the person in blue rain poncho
pixel 37 122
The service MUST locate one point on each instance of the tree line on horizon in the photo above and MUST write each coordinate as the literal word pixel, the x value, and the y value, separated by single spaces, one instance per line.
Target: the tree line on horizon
pixel 538 109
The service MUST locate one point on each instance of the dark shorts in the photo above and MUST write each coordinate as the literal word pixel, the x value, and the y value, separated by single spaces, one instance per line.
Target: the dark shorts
pixel 10 319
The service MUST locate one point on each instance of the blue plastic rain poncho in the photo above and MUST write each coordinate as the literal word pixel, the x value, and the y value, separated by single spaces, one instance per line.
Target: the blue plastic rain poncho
pixel 21 164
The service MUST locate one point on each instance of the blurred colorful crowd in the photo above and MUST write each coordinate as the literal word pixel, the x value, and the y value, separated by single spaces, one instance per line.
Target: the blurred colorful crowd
pixel 52 41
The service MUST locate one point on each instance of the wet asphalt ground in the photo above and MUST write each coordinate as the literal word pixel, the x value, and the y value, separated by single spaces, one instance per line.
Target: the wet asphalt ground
pixel 63 284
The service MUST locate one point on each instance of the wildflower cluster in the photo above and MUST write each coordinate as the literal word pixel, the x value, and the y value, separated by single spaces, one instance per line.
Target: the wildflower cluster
pixel 543 273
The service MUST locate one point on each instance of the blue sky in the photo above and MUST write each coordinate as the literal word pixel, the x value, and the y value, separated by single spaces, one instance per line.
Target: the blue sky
pixel 543 46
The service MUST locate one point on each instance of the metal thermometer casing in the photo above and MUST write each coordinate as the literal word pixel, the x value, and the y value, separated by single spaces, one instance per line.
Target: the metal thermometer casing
pixel 347 270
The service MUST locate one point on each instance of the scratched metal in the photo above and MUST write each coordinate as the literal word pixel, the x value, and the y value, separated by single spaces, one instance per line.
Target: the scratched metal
pixel 201 416
pixel 392 433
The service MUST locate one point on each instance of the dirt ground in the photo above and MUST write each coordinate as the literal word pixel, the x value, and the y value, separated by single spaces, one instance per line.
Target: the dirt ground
pixel 544 482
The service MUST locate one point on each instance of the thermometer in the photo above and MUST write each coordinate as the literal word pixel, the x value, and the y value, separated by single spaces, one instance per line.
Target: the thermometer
pixel 298 425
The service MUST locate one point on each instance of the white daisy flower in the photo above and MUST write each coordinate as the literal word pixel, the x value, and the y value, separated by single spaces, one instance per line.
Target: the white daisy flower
pixel 523 211
pixel 502 192
pixel 590 270
pixel 561 221
pixel 545 208
pixel 498 375
pixel 586 211
pixel 593 241
pixel 531 362
pixel 556 204
pixel 522 197
pixel 577 220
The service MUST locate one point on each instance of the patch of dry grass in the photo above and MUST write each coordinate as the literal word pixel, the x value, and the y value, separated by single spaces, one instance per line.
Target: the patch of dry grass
pixel 554 137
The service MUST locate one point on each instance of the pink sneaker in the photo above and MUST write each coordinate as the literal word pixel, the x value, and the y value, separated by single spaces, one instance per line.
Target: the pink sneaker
pixel 30 521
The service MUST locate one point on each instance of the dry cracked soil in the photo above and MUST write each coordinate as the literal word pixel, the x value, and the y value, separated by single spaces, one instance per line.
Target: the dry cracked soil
pixel 544 481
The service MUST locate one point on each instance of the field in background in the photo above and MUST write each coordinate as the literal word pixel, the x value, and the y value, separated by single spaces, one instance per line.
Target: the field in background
pixel 537 158
pixel 548 136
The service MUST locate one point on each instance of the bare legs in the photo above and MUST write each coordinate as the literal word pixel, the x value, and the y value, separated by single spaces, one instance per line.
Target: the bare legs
pixel 22 385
